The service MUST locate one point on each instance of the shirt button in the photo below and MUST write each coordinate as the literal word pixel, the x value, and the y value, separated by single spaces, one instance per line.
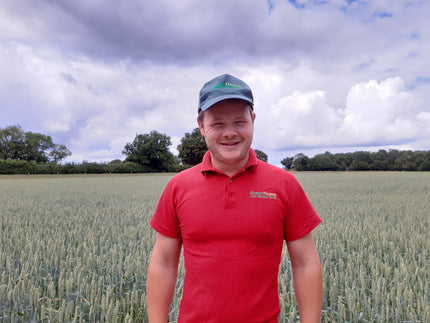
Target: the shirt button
pixel 231 180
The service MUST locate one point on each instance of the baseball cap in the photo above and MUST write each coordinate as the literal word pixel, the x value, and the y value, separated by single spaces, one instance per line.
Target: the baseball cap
pixel 224 87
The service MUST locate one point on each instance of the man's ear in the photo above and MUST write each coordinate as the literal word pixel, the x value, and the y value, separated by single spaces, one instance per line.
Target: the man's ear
pixel 202 130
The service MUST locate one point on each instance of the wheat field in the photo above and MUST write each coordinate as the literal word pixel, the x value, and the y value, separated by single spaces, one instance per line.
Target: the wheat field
pixel 76 248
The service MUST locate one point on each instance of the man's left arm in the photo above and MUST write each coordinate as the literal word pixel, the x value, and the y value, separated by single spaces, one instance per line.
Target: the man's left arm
pixel 307 275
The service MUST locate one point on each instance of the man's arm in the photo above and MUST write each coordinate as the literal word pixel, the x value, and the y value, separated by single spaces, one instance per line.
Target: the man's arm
pixel 162 274
pixel 307 275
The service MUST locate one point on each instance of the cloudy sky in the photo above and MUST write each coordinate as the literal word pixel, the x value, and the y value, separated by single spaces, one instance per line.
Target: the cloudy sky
pixel 327 75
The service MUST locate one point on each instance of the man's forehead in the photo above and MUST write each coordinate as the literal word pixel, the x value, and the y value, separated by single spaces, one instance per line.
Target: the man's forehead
pixel 229 104
pixel 223 112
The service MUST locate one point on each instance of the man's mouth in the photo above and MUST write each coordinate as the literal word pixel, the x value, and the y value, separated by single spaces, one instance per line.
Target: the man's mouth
pixel 230 144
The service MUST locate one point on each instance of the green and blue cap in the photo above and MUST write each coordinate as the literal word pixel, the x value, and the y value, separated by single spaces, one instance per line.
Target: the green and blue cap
pixel 224 87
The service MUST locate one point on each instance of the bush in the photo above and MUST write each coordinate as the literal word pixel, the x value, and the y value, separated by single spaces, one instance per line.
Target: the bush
pixel 12 167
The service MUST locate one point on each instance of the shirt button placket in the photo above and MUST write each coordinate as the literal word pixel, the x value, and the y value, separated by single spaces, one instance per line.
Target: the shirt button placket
pixel 228 196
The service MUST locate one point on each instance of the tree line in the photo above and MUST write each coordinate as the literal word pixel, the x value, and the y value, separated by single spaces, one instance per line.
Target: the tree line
pixel 382 160
pixel 34 153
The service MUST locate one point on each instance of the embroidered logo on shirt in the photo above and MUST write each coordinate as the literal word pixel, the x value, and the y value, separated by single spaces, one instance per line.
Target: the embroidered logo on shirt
pixel 262 195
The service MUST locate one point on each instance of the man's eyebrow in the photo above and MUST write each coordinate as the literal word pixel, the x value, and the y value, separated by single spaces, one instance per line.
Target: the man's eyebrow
pixel 216 119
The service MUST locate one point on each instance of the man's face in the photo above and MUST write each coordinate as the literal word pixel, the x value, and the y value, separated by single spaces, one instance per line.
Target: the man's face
pixel 228 128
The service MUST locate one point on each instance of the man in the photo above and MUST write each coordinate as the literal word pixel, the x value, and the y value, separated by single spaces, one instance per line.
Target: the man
pixel 232 213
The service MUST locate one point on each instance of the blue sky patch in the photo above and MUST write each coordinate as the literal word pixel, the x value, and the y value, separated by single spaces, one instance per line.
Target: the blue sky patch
pixel 423 79
pixel 378 14
pixel 271 5
pixel 415 36
pixel 296 4
pixel 364 65
pixel 325 74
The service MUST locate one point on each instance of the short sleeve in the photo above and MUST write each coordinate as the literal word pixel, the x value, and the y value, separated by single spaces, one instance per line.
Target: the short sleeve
pixel 165 219
pixel 301 217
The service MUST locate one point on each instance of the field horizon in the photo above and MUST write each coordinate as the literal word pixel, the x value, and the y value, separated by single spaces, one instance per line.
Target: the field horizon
pixel 75 248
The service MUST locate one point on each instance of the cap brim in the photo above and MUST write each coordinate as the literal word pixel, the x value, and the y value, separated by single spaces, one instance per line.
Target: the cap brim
pixel 210 103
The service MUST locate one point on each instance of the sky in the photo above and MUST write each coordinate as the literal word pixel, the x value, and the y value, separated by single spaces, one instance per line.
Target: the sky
pixel 326 75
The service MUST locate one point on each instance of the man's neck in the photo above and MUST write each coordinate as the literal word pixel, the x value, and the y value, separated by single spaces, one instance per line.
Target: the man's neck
pixel 229 169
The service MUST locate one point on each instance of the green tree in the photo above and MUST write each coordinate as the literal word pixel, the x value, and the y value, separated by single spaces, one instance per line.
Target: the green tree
pixel 344 160
pixel 58 153
pixel 192 148
pixel 380 160
pixel 11 143
pixel 419 157
pixel 36 147
pixel 261 155
pixel 392 156
pixel 325 162
pixel 15 144
pixel 301 162
pixel 288 162
pixel 151 151
pixel 425 166
pixel 359 165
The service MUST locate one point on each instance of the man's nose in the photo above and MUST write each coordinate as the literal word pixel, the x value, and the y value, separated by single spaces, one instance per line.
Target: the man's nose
pixel 230 131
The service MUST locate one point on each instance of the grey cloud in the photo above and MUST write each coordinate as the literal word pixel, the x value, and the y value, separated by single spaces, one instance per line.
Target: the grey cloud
pixel 68 78
pixel 108 69
pixel 191 32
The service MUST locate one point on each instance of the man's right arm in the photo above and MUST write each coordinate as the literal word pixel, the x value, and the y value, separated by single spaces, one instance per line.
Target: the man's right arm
pixel 162 274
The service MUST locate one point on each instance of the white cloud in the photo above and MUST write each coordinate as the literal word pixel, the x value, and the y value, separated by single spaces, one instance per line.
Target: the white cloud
pixel 326 76
pixel 376 113
pixel 425 118
pixel 299 120
pixel 382 113
pixel 57 126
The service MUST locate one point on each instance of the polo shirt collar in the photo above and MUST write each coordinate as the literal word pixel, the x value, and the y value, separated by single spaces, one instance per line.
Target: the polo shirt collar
pixel 206 165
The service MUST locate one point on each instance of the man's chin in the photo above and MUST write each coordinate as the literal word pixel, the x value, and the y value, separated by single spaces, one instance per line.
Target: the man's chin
pixel 233 157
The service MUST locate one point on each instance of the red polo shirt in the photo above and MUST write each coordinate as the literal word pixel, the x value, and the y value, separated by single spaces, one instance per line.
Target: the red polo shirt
pixel 232 229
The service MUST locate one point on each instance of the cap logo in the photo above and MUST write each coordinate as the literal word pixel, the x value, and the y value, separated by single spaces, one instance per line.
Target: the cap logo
pixel 226 85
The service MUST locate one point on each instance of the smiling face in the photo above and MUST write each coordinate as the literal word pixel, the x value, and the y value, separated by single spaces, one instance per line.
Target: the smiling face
pixel 228 128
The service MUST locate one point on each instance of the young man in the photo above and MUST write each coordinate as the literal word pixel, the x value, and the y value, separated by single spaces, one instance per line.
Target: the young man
pixel 231 214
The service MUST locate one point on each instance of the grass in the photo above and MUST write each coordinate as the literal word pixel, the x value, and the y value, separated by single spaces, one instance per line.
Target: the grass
pixel 76 248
